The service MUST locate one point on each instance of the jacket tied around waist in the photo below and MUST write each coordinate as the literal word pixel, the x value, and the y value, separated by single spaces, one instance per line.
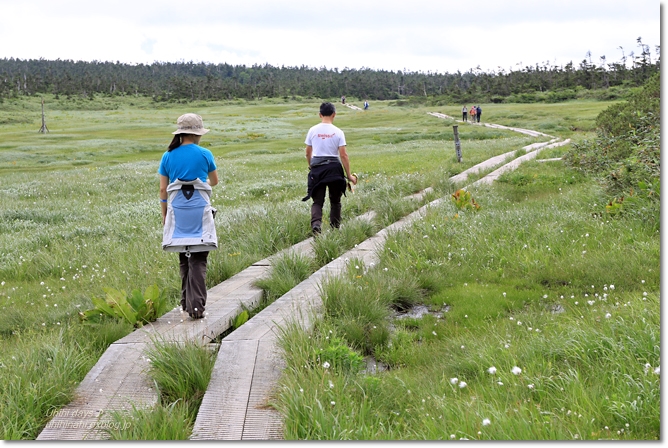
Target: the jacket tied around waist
pixel 189 224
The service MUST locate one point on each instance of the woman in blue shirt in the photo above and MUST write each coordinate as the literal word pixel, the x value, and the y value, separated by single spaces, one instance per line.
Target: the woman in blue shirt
pixel 185 160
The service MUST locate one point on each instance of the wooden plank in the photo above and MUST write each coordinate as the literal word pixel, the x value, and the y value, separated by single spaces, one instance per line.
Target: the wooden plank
pixel 223 410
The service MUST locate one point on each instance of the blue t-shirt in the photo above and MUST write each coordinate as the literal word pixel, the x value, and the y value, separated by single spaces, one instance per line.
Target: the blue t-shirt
pixel 187 162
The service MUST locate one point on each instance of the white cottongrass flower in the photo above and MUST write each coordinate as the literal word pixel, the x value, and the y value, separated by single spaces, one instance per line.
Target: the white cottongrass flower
pixel 492 370
pixel 612 286
pixel 452 436
pixel 331 384
pixel 332 403
pixel 658 370
pixel 608 315
pixel 434 333
pixel 499 383
pixel 462 384
pixel 530 386
pixel 325 365
pixel 486 422
pixel 454 380
pixel 516 370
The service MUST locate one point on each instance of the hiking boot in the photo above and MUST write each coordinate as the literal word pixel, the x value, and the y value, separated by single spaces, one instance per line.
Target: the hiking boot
pixel 196 315
pixel 316 231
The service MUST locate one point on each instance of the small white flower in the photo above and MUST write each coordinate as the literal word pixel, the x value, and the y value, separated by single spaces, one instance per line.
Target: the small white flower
pixel 492 370
pixel 462 384
pixel 506 346
pixel 452 436
pixel 644 294
pixel 504 294
pixel 530 386
pixel 612 286
pixel 486 422
pixel 301 390
pixel 516 370
pixel 462 347
pixel 325 365
pixel 333 403
pixel 608 315
pixel 658 370
pixel 331 384
pixel 519 322
pixel 499 383
pixel 454 380
pixel 434 333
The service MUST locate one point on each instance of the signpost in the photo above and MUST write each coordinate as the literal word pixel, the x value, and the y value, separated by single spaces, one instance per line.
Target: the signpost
pixel 458 147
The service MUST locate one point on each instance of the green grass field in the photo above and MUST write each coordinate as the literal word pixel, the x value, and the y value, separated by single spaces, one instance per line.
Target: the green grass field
pixel 80 212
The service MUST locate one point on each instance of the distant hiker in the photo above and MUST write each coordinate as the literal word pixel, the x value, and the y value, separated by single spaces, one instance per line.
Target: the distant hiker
pixel 472 113
pixel 478 113
pixel 329 167
pixel 366 105
pixel 464 112
pixel 187 214
pixel 343 100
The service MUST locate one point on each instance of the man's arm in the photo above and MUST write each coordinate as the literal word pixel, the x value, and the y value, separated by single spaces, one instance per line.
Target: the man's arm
pixel 343 155
pixel 309 152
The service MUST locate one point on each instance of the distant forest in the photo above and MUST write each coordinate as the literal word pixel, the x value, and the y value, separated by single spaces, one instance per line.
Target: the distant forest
pixel 189 81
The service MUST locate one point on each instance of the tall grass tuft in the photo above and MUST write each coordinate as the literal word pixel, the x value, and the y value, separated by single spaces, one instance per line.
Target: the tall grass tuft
pixel 181 372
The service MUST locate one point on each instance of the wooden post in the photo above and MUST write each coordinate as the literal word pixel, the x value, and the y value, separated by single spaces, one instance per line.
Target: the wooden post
pixel 43 129
pixel 458 147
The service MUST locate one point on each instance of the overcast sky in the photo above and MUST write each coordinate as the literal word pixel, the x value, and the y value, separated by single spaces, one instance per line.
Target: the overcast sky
pixel 414 35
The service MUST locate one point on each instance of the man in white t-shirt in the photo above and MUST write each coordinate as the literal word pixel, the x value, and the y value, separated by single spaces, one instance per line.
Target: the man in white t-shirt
pixel 327 159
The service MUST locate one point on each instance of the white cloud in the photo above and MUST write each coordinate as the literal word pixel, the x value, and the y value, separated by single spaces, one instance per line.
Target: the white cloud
pixel 420 35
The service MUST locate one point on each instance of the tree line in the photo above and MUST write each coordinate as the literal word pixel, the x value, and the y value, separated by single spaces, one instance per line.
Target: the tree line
pixel 179 81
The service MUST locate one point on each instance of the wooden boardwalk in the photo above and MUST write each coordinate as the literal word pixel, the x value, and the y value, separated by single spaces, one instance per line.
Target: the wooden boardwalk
pixel 248 364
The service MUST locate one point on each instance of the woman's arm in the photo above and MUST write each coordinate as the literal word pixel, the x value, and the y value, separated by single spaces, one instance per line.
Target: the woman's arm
pixel 213 178
pixel 164 181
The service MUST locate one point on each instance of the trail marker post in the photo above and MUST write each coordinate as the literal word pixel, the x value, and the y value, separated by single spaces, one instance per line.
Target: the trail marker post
pixel 43 129
pixel 458 146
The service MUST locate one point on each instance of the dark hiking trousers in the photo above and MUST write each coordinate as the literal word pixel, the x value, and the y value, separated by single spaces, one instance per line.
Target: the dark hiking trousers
pixel 318 196
pixel 193 284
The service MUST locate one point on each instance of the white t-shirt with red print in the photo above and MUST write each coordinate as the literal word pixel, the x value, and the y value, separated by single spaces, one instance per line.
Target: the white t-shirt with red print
pixel 325 138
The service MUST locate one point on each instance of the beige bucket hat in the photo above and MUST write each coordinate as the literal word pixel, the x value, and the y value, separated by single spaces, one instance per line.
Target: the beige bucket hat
pixel 190 124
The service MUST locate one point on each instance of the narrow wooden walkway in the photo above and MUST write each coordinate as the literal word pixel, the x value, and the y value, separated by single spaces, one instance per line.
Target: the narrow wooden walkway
pixel 248 364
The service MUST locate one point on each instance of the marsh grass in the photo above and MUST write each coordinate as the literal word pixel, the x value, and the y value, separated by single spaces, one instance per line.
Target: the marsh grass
pixel 80 211
pixel 286 272
pixel 181 372
pixel 551 329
